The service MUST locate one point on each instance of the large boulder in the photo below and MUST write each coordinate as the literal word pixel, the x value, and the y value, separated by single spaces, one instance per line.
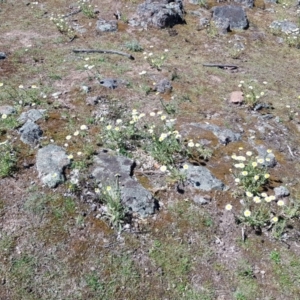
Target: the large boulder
pixel 50 163
pixel 108 167
pixel 230 17
pixel 160 14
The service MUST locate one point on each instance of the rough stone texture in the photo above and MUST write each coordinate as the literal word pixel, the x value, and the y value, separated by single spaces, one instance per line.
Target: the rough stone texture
pixel 202 200
pixel 51 162
pixel 30 133
pixel 285 27
pixel 269 158
pixel 230 17
pixel 245 3
pixel 7 110
pixel 133 195
pixel 160 14
pixel 237 97
pixel 281 192
pixel 201 178
pixel 106 26
pixel 2 55
pixel 225 136
pixel 164 86
pixel 92 100
pixel 31 115
pixel 110 83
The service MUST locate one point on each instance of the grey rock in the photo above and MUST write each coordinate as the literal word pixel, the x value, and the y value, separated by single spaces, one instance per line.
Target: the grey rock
pixel 281 192
pixel 225 136
pixel 285 26
pixel 32 115
pixel 110 83
pixel 245 3
pixel 30 133
pixel 106 26
pixel 269 158
pixel 230 17
pixel 201 178
pixel 133 195
pixel 86 89
pixel 163 86
pixel 203 23
pixel 51 162
pixel 202 200
pixel 2 55
pixel 92 100
pixel 7 110
pixel 56 94
pixel 160 14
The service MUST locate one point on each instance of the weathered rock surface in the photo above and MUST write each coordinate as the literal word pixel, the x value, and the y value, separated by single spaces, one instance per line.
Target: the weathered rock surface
pixel 245 3
pixel 281 191
pixel 286 27
pixel 7 110
pixel 201 178
pixel 110 83
pixel 163 86
pixel 237 97
pixel 32 115
pixel 106 26
pixel 230 17
pixel 269 158
pixel 30 133
pixel 160 14
pixel 225 136
pixel 51 162
pixel 133 195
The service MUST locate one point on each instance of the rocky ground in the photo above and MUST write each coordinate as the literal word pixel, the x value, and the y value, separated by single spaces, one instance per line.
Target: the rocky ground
pixel 149 150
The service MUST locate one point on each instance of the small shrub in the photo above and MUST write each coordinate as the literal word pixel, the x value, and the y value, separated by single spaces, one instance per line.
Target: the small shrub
pixel 134 46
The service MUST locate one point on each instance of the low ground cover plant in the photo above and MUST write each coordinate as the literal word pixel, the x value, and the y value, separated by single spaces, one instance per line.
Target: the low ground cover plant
pixel 259 208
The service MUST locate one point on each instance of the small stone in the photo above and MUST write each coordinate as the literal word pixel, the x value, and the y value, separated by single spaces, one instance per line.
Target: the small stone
pixel 237 97
pixel 2 55
pixel 281 192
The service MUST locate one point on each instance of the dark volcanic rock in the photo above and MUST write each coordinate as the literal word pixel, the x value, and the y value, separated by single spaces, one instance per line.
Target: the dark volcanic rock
pixel 30 133
pixel 230 17
pixel 160 14
pixel 107 167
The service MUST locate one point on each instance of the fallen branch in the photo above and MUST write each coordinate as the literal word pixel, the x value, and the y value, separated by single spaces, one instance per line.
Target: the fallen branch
pixel 72 13
pixel 103 51
pixel 220 66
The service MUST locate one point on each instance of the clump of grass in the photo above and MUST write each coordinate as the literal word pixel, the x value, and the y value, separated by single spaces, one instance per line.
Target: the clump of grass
pixel 8 159
pixel 22 96
pixel 114 212
pixel 134 46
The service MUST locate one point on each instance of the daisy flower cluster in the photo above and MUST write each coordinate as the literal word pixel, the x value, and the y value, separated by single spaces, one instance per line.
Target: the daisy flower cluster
pixel 252 97
pixel 249 171
pixel 259 208
pixel 62 25
pixel 86 8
